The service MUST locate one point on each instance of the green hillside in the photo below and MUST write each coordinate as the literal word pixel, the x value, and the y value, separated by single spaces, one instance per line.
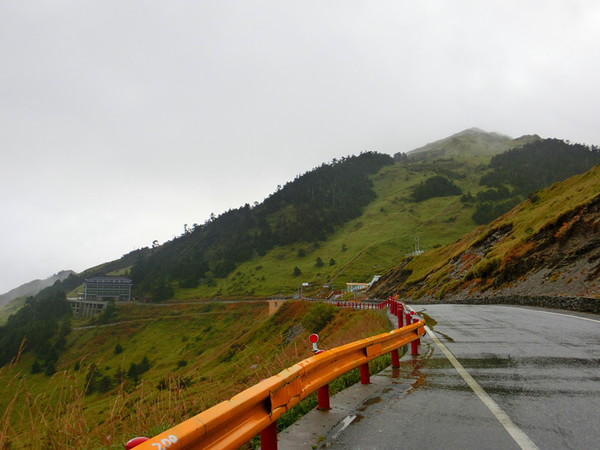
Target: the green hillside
pixel 547 245
pixel 345 221
pixel 138 368
pixel 341 222
pixel 10 308
pixel 389 225
pixel 320 244
pixel 310 208
pixel 153 366
pixel 472 144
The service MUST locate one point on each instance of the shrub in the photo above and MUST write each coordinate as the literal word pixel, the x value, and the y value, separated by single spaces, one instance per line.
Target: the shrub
pixel 36 367
pixel 486 267
pixel 50 370
pixel 104 384
pixel 436 186
pixel 533 197
pixel 319 315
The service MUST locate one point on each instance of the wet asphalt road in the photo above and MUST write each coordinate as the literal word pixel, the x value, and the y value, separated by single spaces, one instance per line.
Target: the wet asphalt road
pixel 541 369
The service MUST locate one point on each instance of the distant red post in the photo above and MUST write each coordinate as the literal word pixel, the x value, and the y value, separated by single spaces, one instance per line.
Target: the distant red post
pixel 414 320
pixel 400 314
pixel 414 345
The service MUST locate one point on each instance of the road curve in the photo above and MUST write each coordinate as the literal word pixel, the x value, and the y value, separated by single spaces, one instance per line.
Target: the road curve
pixel 538 378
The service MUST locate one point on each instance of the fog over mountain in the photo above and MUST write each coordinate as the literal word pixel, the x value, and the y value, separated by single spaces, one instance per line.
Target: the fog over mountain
pixel 124 121
pixel 33 287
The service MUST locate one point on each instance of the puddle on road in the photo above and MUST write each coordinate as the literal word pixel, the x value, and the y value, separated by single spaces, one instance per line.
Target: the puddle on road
pixel 429 321
pixel 368 402
pixel 487 362
pixel 556 361
pixel 445 336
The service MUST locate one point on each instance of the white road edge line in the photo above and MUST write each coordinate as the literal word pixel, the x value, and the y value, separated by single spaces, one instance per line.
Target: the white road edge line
pixel 568 315
pixel 345 424
pixel 515 432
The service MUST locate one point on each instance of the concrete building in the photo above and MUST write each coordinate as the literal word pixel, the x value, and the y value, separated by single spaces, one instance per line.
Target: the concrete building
pixel 97 292
pixel 358 287
pixel 85 308
pixel 105 287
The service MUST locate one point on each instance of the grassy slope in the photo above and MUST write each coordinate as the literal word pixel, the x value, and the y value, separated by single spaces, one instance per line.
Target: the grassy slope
pixel 386 231
pixel 379 239
pixel 474 144
pixel 10 308
pixel 53 410
pixel 373 242
pixel 430 271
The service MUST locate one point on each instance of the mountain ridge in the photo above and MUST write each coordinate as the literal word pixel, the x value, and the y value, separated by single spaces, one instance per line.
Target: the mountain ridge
pixel 468 143
pixel 33 287
pixel 369 243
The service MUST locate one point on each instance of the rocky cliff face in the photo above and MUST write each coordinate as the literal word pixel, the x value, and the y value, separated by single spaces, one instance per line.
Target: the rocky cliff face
pixel 561 260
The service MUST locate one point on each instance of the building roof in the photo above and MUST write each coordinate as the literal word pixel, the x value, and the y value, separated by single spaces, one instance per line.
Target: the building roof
pixel 107 279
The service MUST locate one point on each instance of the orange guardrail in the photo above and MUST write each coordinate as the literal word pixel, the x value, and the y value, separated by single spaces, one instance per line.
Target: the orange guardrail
pixel 234 422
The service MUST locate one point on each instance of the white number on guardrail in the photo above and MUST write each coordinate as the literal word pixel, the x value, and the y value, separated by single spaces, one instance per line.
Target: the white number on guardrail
pixel 165 443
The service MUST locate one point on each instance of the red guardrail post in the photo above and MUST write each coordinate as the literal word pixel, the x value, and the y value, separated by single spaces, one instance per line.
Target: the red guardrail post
pixel 414 320
pixel 400 314
pixel 268 437
pixel 414 345
pixel 323 398
pixel 414 348
pixel 365 376
pixel 395 358
pixel 233 422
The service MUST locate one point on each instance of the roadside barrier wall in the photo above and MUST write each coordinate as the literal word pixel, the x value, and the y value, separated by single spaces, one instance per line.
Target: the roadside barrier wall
pixel 234 422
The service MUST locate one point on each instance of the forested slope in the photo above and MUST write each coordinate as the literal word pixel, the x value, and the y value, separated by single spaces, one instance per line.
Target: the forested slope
pixel 307 209
pixel 356 217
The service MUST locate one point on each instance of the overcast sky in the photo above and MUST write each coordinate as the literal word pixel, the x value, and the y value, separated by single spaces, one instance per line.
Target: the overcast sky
pixel 120 121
